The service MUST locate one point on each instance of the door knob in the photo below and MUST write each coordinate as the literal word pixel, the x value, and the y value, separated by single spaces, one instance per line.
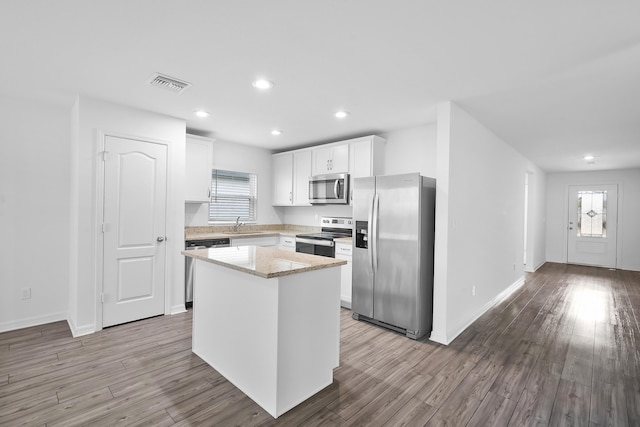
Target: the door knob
pixel 160 239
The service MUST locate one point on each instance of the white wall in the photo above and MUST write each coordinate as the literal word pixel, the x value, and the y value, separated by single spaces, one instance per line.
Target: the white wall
pixel 537 236
pixel 94 116
pixel 411 150
pixel 241 158
pixel 479 221
pixel 405 151
pixel 34 213
pixel 628 241
pixel 310 215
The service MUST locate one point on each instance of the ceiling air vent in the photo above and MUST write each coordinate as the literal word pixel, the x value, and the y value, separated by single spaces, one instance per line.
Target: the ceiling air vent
pixel 169 83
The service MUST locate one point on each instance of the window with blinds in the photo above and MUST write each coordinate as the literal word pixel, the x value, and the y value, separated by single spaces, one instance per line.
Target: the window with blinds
pixel 233 195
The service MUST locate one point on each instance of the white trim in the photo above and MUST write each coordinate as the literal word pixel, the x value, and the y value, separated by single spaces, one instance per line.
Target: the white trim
pixel 176 309
pixel 438 337
pixel 32 321
pixel 100 137
pixel 451 335
pixel 78 331
pixel 538 266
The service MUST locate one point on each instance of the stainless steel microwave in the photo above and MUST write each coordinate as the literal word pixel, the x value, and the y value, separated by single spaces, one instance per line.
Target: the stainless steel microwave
pixel 330 189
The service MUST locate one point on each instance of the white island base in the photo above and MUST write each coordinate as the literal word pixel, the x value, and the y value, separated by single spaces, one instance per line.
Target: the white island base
pixel 275 339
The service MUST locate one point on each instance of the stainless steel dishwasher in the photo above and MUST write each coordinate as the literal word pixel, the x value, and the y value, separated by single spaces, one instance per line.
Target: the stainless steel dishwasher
pixel 189 263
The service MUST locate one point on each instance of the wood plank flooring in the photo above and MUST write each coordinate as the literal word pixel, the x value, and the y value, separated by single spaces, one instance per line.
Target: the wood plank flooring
pixel 563 350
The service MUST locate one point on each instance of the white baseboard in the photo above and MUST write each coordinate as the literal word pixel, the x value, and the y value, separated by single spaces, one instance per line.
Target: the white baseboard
pixel 454 332
pixel 177 309
pixel 345 303
pixel 438 337
pixel 32 321
pixel 78 331
pixel 538 266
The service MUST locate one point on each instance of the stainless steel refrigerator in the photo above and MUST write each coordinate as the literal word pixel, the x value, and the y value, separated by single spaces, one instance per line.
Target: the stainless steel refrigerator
pixel 394 219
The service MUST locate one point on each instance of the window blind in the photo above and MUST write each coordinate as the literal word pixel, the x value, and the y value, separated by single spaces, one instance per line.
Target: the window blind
pixel 233 195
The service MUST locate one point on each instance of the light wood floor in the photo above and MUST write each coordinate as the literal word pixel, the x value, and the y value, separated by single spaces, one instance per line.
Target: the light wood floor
pixel 563 350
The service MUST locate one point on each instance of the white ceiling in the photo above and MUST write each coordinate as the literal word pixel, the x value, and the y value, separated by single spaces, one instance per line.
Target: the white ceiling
pixel 557 80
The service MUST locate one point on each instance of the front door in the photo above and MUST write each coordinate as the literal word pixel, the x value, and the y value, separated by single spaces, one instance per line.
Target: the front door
pixel 592 224
pixel 135 194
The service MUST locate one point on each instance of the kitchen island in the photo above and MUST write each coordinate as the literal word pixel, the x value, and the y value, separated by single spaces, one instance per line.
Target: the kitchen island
pixel 268 320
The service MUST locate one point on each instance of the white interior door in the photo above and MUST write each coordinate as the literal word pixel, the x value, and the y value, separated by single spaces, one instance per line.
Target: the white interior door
pixel 135 193
pixel 592 228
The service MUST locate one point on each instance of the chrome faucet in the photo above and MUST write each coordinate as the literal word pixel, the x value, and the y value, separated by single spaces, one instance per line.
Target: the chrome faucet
pixel 238 224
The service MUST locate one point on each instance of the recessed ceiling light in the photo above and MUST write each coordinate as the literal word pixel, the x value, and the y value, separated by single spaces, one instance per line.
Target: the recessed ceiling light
pixel 342 114
pixel 276 132
pixel 202 113
pixel 589 157
pixel 262 84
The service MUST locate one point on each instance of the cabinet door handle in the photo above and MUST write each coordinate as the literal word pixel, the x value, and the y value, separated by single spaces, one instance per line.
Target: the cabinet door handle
pixel 291 196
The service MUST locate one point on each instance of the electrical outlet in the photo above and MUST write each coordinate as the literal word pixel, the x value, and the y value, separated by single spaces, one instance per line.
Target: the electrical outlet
pixel 26 293
pixel 473 291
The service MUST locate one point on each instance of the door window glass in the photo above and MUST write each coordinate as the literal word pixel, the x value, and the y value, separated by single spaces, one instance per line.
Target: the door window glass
pixel 592 214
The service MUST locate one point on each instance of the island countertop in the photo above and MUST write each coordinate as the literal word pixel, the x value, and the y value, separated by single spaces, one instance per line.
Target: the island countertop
pixel 265 262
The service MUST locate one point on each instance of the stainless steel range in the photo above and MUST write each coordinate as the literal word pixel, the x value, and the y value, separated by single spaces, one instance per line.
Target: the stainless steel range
pixel 323 243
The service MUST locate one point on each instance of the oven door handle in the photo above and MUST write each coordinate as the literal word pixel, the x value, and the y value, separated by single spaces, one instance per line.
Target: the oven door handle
pixel 328 243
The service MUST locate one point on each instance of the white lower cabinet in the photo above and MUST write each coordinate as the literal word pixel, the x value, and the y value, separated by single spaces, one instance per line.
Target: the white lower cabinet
pixel 287 243
pixel 344 251
pixel 255 241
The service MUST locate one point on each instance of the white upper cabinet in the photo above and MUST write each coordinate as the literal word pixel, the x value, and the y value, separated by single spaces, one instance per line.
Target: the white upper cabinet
pixel 332 158
pixel 282 165
pixel 198 165
pixel 301 174
pixel 366 156
pixel 291 171
pixel 359 157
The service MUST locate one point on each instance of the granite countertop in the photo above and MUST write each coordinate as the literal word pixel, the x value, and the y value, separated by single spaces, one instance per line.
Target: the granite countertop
pixel 251 230
pixel 265 262
pixel 343 239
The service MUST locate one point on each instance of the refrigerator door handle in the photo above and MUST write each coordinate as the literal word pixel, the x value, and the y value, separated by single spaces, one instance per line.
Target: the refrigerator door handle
pixel 369 235
pixel 374 237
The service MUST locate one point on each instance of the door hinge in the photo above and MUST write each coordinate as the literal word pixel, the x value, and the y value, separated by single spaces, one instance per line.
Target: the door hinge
pixel 102 298
pixel 104 227
pixel 104 155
